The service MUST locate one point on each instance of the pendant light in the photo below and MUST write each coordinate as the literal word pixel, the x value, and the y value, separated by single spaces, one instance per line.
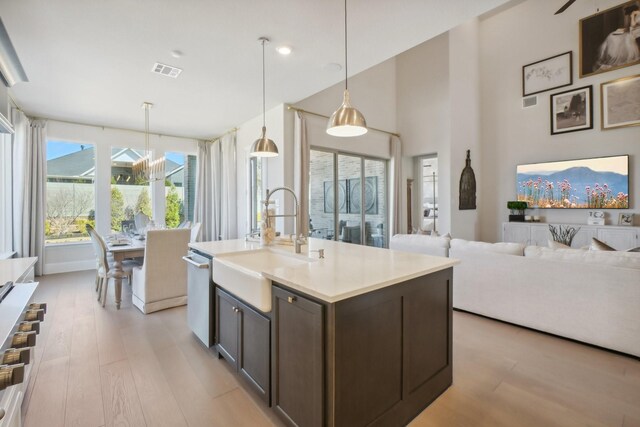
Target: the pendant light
pixel 263 146
pixel 144 167
pixel 346 121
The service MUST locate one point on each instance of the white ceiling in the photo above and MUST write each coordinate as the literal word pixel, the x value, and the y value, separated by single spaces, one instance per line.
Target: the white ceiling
pixel 89 61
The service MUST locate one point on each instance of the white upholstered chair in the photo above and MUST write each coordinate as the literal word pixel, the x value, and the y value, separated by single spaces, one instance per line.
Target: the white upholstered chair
pixel 161 282
pixel 141 220
pixel 195 231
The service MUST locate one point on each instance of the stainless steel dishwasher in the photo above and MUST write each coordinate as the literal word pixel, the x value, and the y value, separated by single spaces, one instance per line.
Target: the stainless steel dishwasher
pixel 200 297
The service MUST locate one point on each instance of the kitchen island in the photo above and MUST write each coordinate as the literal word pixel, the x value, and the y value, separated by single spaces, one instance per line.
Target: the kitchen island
pixel 361 337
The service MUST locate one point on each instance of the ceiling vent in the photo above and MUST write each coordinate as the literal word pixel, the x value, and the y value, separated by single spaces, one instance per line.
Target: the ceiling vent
pixel 166 70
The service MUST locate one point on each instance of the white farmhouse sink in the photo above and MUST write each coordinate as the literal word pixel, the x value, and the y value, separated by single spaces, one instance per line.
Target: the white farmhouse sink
pixel 241 274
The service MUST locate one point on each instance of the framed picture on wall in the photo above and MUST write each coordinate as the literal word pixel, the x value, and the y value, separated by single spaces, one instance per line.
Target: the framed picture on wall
pixel 620 103
pixel 572 110
pixel 609 39
pixel 547 74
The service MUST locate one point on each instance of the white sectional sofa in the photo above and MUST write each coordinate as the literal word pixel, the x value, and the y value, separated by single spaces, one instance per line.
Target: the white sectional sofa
pixel 589 296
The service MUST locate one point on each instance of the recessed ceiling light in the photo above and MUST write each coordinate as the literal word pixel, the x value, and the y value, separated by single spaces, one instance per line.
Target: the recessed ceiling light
pixel 332 67
pixel 176 53
pixel 284 50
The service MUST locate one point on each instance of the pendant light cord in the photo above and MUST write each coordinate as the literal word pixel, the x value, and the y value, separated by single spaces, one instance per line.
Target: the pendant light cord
pixel 346 66
pixel 263 90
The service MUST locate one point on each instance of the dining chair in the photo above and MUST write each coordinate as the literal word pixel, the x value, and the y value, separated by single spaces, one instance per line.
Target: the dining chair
pixel 161 282
pixel 141 220
pixel 104 264
pixel 195 231
pixel 185 224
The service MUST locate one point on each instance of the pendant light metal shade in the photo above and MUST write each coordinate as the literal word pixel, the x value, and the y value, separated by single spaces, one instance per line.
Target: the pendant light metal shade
pixel 346 121
pixel 263 146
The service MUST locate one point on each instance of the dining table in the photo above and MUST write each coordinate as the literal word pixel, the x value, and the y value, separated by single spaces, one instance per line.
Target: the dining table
pixel 133 248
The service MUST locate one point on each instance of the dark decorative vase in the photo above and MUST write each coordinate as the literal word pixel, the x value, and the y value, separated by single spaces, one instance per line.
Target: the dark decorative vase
pixel 467 186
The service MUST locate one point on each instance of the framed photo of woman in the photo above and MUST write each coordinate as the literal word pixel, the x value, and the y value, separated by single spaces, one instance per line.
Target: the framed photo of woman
pixel 610 39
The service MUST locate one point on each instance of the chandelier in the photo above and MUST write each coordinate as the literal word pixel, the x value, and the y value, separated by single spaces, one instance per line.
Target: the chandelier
pixel 145 167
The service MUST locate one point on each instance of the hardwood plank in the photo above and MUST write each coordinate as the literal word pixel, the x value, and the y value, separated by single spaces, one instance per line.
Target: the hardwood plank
pixel 156 398
pixel 84 392
pixel 119 396
pixel 48 402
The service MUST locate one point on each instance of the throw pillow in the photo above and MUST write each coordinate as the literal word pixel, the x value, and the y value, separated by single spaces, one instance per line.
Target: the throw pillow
pixel 597 245
pixel 557 245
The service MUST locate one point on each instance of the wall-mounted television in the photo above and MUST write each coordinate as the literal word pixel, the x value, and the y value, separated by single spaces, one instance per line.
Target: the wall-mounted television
pixel 598 183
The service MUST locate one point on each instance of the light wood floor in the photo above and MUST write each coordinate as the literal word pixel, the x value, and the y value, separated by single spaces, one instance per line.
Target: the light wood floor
pixel 99 366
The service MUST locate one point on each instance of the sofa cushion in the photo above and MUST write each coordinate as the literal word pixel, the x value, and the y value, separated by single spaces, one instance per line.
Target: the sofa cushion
pixel 500 247
pixel 557 245
pixel 420 243
pixel 609 258
pixel 597 245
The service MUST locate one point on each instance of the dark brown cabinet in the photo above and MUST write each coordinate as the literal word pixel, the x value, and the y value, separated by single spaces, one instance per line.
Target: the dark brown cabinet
pixel 244 341
pixel 298 359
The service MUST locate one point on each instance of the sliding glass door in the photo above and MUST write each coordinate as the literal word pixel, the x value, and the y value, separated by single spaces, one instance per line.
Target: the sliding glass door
pixel 348 198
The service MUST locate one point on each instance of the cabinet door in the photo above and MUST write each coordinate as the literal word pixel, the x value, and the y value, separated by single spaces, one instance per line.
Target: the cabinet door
pixel 516 233
pixel 227 326
pixel 254 357
pixel 619 238
pixel 298 363
pixel 540 235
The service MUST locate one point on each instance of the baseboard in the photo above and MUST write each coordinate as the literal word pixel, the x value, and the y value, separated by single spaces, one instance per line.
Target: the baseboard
pixel 67 267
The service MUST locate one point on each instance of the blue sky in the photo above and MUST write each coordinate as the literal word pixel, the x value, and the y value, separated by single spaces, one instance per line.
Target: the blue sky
pixel 57 149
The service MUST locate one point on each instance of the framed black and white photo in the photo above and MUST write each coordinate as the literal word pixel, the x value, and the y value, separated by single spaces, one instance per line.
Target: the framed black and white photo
pixel 572 110
pixel 610 39
pixel 547 74
pixel 625 219
pixel 620 103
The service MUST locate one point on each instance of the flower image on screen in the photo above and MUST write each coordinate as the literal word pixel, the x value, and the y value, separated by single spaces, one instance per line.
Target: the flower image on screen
pixel 601 183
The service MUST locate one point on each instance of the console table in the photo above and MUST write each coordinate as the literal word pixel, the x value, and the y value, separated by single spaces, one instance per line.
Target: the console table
pixel 537 233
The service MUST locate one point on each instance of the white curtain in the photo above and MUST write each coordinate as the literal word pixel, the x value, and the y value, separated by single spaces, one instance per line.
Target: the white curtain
pixel 29 184
pixel 216 195
pixel 396 185
pixel 228 192
pixel 301 170
pixel 6 211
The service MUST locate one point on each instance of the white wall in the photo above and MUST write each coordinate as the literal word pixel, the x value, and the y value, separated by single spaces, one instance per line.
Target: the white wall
pixel 464 92
pixel 424 119
pixel 279 170
pixel 511 135
pixel 79 256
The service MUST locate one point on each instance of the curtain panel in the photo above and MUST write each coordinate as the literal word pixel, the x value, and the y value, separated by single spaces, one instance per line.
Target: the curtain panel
pixel 29 186
pixel 301 168
pixel 216 192
pixel 396 185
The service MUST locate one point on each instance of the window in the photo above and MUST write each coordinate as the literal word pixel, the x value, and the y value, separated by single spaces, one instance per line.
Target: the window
pixel 347 210
pixel 180 186
pixel 257 191
pixel 70 191
pixel 129 194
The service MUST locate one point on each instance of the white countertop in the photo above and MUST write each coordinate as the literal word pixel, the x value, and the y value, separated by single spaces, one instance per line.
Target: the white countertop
pixel 346 271
pixel 11 270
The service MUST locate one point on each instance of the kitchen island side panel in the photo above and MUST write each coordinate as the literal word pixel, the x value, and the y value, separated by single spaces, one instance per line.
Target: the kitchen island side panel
pixel 392 351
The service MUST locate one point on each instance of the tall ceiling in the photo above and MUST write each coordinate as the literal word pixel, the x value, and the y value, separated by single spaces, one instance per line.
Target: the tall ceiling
pixel 89 61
